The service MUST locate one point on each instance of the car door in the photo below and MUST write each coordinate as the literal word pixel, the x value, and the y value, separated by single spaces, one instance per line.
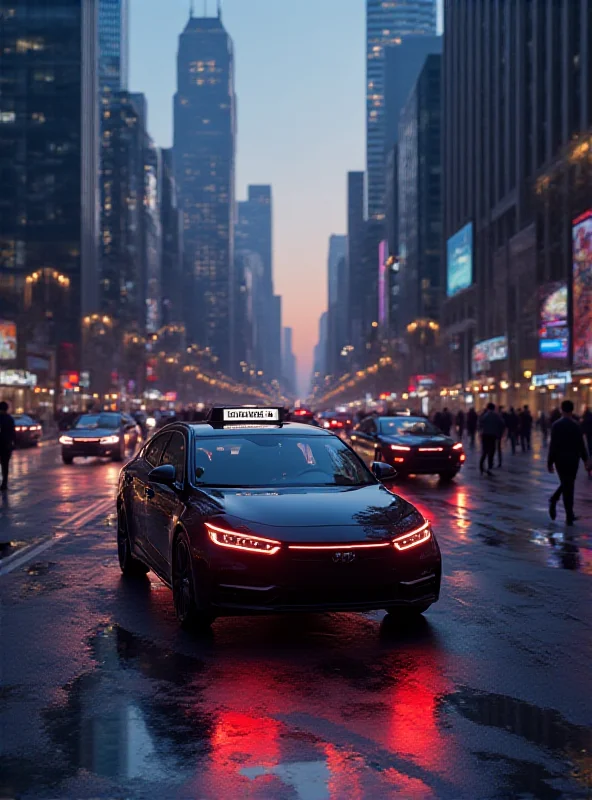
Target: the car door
pixel 362 438
pixel 164 504
pixel 140 489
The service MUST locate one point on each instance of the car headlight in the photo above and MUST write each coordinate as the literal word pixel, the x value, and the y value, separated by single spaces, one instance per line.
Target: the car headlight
pixel 241 541
pixel 150 422
pixel 109 440
pixel 413 538
pixel 66 440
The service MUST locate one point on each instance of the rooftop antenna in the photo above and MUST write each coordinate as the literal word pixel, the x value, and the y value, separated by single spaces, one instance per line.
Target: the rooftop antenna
pixel 219 9
pixel 191 9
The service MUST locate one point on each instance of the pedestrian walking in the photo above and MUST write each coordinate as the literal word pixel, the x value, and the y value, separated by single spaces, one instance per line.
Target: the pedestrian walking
pixel 491 426
pixel 502 415
pixel 7 442
pixel 446 424
pixel 543 426
pixel 472 423
pixel 565 451
pixel 554 416
pixel 525 428
pixel 587 428
pixel 460 424
pixel 512 425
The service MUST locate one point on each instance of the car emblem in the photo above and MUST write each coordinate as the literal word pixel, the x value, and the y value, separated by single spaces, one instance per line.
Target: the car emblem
pixel 344 558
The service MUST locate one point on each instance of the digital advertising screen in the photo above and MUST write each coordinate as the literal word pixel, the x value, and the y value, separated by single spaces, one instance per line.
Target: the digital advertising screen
pixel 489 350
pixel 459 260
pixel 582 291
pixel 7 340
pixel 553 321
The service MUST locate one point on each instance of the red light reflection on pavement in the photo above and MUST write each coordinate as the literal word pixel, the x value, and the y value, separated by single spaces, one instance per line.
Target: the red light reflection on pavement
pixel 344 778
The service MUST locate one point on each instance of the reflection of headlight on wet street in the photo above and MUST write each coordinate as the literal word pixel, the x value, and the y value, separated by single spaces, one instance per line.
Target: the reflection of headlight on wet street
pixel 150 422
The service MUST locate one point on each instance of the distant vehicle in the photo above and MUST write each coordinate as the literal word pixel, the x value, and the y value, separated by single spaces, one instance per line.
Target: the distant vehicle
pixel 410 444
pixel 247 514
pixel 27 432
pixel 304 415
pixel 336 421
pixel 107 434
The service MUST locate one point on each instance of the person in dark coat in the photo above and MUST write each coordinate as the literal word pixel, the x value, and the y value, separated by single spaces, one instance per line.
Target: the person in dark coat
pixel 587 429
pixel 554 416
pixel 525 428
pixel 502 415
pixel 438 420
pixel 492 429
pixel 512 424
pixel 7 442
pixel 566 450
pixel 543 426
pixel 460 424
pixel 446 425
pixel 472 424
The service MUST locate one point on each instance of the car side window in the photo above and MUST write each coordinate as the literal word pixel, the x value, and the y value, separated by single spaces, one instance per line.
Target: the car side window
pixel 154 449
pixel 174 454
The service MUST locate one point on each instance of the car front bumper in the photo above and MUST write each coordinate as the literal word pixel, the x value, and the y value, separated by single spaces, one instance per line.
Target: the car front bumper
pixel 311 581
pixel 420 464
pixel 89 449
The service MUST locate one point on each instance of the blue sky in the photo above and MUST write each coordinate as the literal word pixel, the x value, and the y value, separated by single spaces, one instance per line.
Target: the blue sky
pixel 300 86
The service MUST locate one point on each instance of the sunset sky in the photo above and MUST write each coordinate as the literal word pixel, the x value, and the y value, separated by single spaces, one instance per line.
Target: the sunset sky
pixel 300 76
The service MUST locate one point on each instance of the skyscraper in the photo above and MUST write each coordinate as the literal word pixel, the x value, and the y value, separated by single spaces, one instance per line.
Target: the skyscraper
pixel 48 164
pixel 387 23
pixel 336 312
pixel 113 45
pixel 355 255
pixel 289 362
pixel 204 155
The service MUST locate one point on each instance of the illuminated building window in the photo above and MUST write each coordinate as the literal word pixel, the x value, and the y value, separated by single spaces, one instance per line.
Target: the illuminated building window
pixel 7 117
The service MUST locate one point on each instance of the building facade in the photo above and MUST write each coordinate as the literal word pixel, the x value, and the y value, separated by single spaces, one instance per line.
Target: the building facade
pixel 48 174
pixel 113 45
pixel 289 363
pixel 204 155
pixel 171 223
pixel 336 338
pixel 387 24
pixel 518 119
pixel 420 218
pixel 355 256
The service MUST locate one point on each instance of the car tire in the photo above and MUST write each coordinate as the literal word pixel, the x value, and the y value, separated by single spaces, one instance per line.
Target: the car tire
pixel 121 454
pixel 67 459
pixel 188 614
pixel 448 476
pixel 130 566
pixel 406 614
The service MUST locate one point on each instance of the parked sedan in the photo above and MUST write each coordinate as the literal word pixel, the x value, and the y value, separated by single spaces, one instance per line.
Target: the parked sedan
pixel 410 444
pixel 105 434
pixel 27 431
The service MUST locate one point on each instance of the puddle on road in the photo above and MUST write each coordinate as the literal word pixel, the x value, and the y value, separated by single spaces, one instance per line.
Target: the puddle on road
pixel 150 718
pixel 542 727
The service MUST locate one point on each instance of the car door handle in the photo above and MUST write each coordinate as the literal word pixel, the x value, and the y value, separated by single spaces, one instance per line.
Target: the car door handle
pixel 149 492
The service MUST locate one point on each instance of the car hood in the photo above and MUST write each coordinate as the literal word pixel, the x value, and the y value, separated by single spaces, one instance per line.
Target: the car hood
pixel 411 440
pixel 92 433
pixel 344 514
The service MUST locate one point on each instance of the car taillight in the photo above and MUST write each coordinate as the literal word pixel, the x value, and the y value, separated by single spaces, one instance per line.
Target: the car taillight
pixel 241 541
pixel 414 537
pixel 400 447
pixel 457 446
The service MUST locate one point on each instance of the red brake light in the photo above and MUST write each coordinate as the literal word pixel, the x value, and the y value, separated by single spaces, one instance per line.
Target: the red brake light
pixel 457 446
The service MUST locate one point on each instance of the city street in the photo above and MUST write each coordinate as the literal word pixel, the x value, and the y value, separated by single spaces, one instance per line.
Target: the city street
pixel 102 695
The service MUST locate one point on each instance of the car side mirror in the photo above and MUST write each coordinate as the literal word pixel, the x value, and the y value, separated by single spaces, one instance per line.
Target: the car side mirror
pixel 383 471
pixel 165 474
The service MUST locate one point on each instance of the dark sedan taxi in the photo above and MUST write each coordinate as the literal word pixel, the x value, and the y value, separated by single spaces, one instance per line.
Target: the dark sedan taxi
pixel 27 432
pixel 246 514
pixel 107 434
pixel 411 444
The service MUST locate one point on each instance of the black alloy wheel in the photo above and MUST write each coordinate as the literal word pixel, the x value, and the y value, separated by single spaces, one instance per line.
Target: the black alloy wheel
pixel 129 565
pixel 184 598
pixel 120 455
pixel 448 476
pixel 67 459
pixel 405 615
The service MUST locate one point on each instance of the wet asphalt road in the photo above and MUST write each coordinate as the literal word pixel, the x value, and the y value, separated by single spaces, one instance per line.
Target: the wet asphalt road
pixel 102 696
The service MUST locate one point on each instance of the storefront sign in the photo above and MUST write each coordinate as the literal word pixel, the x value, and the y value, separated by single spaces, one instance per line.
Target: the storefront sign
pixel 489 350
pixel 17 377
pixel 7 340
pixel 582 291
pixel 551 378
pixel 553 322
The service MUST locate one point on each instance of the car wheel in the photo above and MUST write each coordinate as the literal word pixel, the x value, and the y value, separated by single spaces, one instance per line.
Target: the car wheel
pixel 448 476
pixel 67 459
pixel 121 454
pixel 129 565
pixel 189 615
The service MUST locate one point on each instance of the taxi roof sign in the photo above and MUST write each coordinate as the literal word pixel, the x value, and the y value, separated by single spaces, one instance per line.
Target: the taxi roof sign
pixel 250 415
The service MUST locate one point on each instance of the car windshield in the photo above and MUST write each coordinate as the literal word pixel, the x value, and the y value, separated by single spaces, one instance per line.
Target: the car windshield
pixel 274 459
pixel 396 426
pixel 87 421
